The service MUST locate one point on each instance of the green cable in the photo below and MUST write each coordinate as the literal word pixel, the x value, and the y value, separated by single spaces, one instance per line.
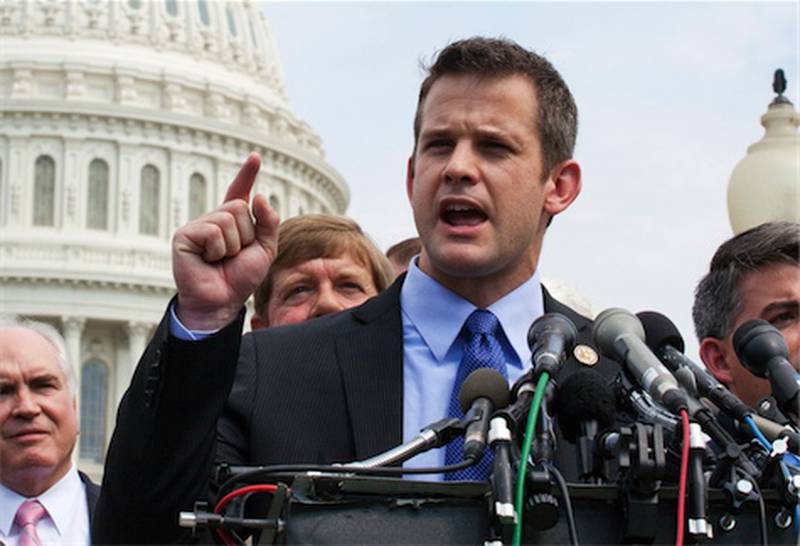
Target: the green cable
pixel 530 428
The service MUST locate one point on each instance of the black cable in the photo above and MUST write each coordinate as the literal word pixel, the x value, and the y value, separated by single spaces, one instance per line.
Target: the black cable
pixel 333 469
pixel 562 485
pixel 762 511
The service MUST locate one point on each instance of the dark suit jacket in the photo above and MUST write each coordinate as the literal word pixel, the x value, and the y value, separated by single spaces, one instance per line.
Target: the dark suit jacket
pixel 92 493
pixel 328 390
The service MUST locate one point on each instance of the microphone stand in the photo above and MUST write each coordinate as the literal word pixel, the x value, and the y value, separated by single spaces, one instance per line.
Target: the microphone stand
pixel 502 477
pixel 541 507
pixel 435 435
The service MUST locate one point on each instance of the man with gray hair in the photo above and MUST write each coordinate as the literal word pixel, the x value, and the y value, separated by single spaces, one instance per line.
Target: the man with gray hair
pixel 43 498
pixel 754 275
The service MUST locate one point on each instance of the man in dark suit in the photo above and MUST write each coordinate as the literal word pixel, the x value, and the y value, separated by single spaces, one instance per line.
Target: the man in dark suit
pixel 492 165
pixel 43 498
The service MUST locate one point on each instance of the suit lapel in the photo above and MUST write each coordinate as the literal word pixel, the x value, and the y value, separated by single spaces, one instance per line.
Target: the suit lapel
pixel 583 324
pixel 370 357
pixel 92 493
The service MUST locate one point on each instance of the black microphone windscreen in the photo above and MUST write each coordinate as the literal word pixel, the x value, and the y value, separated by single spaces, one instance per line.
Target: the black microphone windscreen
pixel 583 396
pixel 756 342
pixel 660 331
pixel 484 383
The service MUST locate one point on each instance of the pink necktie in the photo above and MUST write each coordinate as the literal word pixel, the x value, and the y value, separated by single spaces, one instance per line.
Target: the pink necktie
pixel 28 515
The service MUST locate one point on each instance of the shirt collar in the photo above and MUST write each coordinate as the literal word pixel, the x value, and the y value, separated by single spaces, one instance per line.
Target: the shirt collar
pixel 59 501
pixel 421 294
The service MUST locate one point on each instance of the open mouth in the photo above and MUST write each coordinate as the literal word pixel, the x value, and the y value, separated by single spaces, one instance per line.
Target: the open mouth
pixel 462 215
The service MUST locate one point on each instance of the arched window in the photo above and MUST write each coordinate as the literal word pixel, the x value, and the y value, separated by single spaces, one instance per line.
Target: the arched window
pixel 202 8
pixel 97 198
pixel 94 394
pixel 149 198
pixel 197 196
pixel 44 191
pixel 231 21
pixel 253 37
pixel 172 7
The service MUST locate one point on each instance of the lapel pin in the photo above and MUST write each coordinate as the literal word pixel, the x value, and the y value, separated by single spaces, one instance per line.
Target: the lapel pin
pixel 585 355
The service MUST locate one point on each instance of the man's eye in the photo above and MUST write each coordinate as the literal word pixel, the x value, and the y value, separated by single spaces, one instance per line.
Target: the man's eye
pixel 351 287
pixel 784 319
pixel 6 389
pixel 297 290
pixel 496 146
pixel 438 144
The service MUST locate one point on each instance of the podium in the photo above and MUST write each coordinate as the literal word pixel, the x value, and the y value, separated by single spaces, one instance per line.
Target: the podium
pixel 363 510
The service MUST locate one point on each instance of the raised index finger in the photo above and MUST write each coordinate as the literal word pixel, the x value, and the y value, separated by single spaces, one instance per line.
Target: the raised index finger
pixel 243 183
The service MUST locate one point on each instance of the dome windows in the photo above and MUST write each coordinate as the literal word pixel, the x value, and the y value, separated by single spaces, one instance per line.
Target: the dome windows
pixel 149 198
pixel 94 398
pixel 197 196
pixel 231 21
pixel 97 196
pixel 44 191
pixel 202 9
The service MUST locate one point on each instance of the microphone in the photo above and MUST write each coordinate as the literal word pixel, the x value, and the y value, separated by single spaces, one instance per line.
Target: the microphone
pixel 664 338
pixel 550 338
pixel 620 335
pixel 697 513
pixel 482 391
pixel 502 478
pixel 761 348
pixel 585 406
pixel 666 342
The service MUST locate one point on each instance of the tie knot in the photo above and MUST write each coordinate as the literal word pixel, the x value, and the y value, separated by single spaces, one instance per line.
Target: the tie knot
pixel 483 322
pixel 29 513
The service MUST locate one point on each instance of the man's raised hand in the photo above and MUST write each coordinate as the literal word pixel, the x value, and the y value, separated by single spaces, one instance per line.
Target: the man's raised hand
pixel 220 258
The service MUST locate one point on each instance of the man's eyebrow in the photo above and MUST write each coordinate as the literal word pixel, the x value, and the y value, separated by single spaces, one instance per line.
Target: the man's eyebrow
pixel 46 377
pixel 787 305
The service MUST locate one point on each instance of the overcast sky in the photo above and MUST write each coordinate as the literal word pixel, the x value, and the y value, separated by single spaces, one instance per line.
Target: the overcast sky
pixel 669 97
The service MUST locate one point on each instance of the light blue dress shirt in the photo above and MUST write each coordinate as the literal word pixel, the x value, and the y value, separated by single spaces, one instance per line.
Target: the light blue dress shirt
pixel 432 320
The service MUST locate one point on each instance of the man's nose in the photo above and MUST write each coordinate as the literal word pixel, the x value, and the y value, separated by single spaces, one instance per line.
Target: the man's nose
pixel 462 165
pixel 327 302
pixel 26 405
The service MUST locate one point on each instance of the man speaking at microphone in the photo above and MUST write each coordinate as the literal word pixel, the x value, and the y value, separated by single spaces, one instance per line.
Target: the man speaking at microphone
pixel 492 165
pixel 754 275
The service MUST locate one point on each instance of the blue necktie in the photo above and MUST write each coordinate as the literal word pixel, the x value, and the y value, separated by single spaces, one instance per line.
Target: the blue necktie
pixel 481 350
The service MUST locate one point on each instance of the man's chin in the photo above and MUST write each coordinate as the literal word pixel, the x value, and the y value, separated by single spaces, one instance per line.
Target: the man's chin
pixel 463 263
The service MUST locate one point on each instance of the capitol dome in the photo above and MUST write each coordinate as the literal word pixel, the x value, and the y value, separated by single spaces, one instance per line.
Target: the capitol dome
pixel 119 121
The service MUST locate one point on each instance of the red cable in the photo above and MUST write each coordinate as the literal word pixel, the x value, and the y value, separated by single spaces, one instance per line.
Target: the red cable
pixel 223 502
pixel 682 479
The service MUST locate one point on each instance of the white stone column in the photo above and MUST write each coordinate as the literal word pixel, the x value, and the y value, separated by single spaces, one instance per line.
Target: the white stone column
pixel 137 340
pixel 73 330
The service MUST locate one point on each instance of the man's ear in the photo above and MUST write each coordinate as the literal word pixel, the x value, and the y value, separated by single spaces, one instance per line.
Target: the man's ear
pixel 563 187
pixel 410 177
pixel 257 322
pixel 712 353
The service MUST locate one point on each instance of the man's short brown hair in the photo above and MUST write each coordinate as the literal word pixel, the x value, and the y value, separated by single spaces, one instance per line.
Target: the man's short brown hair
pixel 313 236
pixel 557 115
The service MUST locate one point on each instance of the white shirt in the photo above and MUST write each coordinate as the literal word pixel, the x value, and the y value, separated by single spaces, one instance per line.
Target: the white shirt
pixel 67 519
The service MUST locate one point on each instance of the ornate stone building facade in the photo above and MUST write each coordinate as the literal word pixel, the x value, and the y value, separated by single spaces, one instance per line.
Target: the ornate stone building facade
pixel 119 121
